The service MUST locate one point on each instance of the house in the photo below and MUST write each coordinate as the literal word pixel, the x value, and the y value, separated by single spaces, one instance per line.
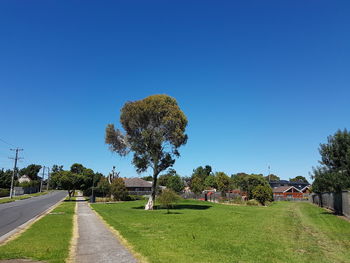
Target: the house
pixel 24 179
pixel 298 184
pixel 286 192
pixel 138 186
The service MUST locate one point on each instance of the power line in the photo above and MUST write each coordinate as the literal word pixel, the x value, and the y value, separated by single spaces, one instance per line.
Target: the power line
pixel 6 142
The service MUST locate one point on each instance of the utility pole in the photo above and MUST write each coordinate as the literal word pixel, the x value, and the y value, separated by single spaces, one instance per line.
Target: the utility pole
pixel 42 179
pixel 14 169
pixel 48 178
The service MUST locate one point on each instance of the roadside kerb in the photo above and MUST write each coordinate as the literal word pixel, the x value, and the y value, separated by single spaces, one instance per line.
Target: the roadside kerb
pixel 13 234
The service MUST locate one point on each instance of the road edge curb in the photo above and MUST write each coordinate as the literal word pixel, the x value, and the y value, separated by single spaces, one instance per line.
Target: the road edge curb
pixel 15 233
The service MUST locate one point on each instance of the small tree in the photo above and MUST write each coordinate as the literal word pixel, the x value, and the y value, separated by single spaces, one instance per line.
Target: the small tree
pixel 168 198
pixel 262 193
pixel 118 190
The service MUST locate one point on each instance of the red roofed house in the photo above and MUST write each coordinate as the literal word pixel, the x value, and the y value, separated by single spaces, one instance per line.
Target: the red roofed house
pixel 286 192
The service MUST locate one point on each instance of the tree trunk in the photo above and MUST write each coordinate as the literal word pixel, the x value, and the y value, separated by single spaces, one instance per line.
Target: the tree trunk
pixel 152 198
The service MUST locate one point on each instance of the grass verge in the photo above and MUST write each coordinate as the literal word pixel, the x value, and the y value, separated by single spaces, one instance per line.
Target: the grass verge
pixel 196 231
pixel 21 197
pixel 47 239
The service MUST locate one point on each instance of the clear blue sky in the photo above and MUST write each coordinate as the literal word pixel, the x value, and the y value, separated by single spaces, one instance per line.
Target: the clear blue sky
pixel 261 82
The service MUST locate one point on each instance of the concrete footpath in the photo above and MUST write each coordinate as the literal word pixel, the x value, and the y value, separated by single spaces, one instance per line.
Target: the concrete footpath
pixel 96 243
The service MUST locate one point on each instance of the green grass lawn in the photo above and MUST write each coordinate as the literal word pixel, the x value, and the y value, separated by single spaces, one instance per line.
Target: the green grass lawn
pixel 20 197
pixel 47 239
pixel 205 232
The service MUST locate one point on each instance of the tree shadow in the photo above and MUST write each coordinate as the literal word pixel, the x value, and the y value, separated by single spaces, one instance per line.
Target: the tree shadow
pixel 172 213
pixel 178 207
pixel 75 201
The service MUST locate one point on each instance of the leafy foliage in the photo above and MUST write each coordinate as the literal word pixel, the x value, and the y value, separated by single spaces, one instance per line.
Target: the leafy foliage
pixel 299 178
pixel 31 170
pixel 262 193
pixel 223 182
pixel 154 130
pixel 5 178
pixel 168 198
pixel 272 177
pixel 175 183
pixel 248 182
pixel 334 173
pixel 118 190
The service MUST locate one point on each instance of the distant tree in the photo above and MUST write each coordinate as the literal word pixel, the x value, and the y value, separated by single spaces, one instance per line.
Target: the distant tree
pixel 202 172
pixel 210 182
pixel 238 180
pixel 334 173
pixel 155 129
pixel 262 193
pixel 247 182
pixel 56 168
pixel 163 179
pixel 5 178
pixel 147 178
pixel 197 185
pixel 175 183
pixel 31 170
pixel 168 198
pixel 66 180
pixel 223 182
pixel 272 177
pixel 118 190
pixel 77 168
pixel 299 178
pixel 104 187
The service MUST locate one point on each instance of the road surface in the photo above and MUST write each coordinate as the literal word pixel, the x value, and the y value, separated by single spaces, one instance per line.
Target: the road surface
pixel 14 214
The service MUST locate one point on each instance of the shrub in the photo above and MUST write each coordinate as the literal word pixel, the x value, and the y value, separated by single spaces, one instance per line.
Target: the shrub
pixel 137 197
pixel 262 193
pixel 237 200
pixel 118 190
pixel 4 192
pixel 252 202
pixel 168 198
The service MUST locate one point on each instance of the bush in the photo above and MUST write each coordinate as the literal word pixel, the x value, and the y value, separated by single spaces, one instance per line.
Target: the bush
pixel 137 197
pixel 252 202
pixel 4 192
pixel 237 200
pixel 262 193
pixel 118 190
pixel 168 198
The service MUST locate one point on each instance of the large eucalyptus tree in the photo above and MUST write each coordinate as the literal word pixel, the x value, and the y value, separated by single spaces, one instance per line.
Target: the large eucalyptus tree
pixel 154 131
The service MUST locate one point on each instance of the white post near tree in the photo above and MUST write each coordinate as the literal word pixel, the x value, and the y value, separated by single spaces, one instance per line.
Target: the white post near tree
pixel 154 130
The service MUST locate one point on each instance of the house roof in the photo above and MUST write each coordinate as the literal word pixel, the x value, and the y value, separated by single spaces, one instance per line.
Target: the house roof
pixel 283 189
pixel 136 182
pixel 24 177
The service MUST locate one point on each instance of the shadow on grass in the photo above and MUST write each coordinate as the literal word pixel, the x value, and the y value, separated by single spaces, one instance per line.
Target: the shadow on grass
pixel 178 207
pixel 75 201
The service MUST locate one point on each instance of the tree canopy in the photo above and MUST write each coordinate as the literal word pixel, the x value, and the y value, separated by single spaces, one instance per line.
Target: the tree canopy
pixel 299 178
pixel 333 174
pixel 154 131
pixel 31 170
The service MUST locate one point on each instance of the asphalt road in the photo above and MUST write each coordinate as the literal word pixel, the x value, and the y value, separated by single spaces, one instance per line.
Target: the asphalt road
pixel 16 213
